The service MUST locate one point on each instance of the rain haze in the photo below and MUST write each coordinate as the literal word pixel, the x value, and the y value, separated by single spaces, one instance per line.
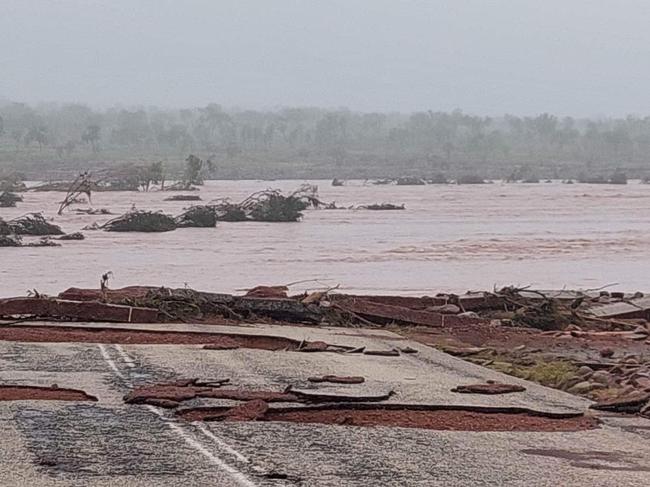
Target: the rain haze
pixel 578 58
pixel 447 203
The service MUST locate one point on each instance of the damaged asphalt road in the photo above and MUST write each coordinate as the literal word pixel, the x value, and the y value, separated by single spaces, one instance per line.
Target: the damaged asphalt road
pixel 109 442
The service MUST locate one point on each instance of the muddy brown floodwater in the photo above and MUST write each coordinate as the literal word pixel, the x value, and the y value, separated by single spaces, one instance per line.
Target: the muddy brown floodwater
pixel 449 238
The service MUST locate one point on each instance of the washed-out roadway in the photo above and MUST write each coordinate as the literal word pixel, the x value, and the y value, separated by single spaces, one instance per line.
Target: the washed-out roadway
pixel 108 442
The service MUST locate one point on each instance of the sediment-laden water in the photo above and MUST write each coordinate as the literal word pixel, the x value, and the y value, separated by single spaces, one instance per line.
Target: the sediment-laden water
pixel 449 238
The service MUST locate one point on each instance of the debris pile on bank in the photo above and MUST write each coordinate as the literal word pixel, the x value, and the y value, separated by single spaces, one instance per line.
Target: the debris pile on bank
pixel 563 313
pixel 591 343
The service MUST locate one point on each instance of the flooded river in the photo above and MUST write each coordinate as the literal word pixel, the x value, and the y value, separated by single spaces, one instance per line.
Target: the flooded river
pixel 449 238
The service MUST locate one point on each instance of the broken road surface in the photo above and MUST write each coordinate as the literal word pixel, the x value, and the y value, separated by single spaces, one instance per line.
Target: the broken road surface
pixel 108 441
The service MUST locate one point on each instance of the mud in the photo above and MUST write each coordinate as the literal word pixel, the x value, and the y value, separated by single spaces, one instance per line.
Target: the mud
pixel 488 388
pixel 382 353
pixel 449 418
pixel 335 379
pixel 249 411
pixel 38 393
pixel 55 334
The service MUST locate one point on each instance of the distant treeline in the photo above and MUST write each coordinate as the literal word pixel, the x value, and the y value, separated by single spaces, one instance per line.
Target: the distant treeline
pixel 51 140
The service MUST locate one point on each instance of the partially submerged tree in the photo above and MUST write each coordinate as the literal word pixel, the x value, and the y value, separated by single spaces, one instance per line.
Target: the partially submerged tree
pixel 382 206
pixel 152 174
pixel 195 169
pixel 80 186
pixel 140 221
pixel 269 206
pixel 197 216
pixel 33 224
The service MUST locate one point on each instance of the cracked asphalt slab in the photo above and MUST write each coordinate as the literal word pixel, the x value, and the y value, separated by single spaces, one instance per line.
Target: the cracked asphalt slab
pixel 109 442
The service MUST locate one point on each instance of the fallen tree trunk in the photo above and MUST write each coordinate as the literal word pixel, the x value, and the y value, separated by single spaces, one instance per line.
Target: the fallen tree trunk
pixel 385 313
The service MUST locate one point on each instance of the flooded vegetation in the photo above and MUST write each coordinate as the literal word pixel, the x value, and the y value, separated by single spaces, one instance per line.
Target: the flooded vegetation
pixel 579 235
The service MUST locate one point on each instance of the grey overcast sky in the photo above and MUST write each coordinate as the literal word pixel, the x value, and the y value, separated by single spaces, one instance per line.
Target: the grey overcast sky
pixel 570 57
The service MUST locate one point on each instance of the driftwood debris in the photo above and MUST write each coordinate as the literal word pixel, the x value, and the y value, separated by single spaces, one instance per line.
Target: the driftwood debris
pixel 72 236
pixel 93 211
pixel 558 313
pixel 409 181
pixel 381 206
pixel 183 197
pixel 79 187
pixel 548 310
pixel 260 303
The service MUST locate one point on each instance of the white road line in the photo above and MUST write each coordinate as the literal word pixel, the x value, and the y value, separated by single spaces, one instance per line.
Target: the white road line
pixel 236 475
pixel 221 443
pixel 155 410
pixel 109 361
pixel 128 360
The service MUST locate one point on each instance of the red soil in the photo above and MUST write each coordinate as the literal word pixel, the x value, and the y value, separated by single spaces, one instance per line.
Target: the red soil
pixel 149 337
pixel 436 420
pixel 37 393
pixel 450 419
